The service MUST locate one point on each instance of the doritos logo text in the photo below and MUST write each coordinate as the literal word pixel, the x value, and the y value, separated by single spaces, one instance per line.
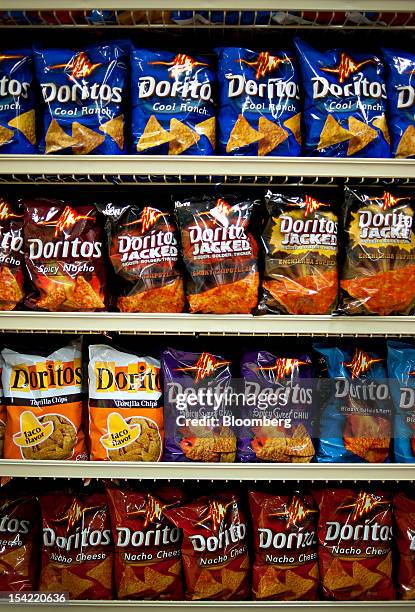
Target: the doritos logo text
pixel 135 377
pixel 46 375
pixel 204 367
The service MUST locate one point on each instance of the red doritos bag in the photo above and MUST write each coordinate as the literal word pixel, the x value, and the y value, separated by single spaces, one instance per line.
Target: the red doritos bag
pixel 404 511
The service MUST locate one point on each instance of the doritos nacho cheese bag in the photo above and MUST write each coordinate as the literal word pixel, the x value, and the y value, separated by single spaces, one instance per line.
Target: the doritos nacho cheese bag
pixel 259 96
pixel 214 550
pixel 43 397
pixel 148 563
pixel 64 256
pixel 11 255
pixel 378 275
pixel 355 541
pixel 84 95
pixel 172 103
pixel 300 246
pixel 77 550
pixel 125 406
pixel 404 525
pixel 401 371
pixel 285 546
pixel 219 253
pixel 345 103
pixel 143 248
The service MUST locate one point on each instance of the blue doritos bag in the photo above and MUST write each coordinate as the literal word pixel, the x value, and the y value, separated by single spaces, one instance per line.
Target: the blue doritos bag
pixel 172 103
pixel 356 417
pixel 259 103
pixel 17 102
pixel 345 103
pixel 401 370
pixel 84 93
pixel 400 85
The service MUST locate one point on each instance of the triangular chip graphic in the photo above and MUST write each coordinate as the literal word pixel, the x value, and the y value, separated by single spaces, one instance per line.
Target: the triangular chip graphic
pixel 30 423
pixel 115 130
pixel 86 140
pixel 274 135
pixel 208 129
pixel 82 296
pixel 25 123
pixel 119 434
pixel 332 133
pixel 242 135
pixel 380 123
pixel 56 138
pixel 294 124
pixel 406 147
pixel 183 137
pixel 154 135
pixel 363 134
pixel 5 135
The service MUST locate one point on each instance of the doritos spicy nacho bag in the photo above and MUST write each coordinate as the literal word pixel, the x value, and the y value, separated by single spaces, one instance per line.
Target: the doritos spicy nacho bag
pixel 214 549
pixel 401 371
pixel 219 253
pixel 259 97
pixel 125 406
pixel 355 541
pixel 64 256
pixel 285 546
pixel 404 515
pixel 43 397
pixel 3 411
pixel 172 103
pixel 378 275
pixel 11 256
pixel 300 246
pixel 345 103
pixel 144 252
pixel 84 95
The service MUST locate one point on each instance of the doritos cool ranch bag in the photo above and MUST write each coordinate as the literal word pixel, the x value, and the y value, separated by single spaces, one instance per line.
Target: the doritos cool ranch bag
pixel 259 96
pixel 64 256
pixel 355 540
pixel 401 371
pixel 11 255
pixel 84 96
pixel 214 549
pixel 172 103
pixel 345 103
pixel 300 246
pixel 404 515
pixel 219 253
pixel 125 406
pixel 43 397
pixel 378 275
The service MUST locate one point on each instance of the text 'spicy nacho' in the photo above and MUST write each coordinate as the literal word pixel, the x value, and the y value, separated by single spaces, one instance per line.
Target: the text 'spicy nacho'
pixel 11 255
pixel 401 372
pixel 404 526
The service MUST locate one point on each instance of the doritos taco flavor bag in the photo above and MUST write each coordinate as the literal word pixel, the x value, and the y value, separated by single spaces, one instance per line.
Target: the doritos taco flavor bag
pixel 11 255
pixel 143 248
pixel 43 396
pixel 355 542
pixel 401 371
pixel 378 275
pixel 125 406
pixel 84 94
pixel 64 256
pixel 219 253
pixel 404 515
pixel 300 253
pixel 345 103
pixel 172 103
pixel 214 549
pixel 259 97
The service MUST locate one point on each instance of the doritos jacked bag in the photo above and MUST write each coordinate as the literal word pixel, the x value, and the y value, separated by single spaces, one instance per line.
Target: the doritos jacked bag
pixel 196 410
pixel 355 542
pixel 84 94
pixel 219 253
pixel 300 253
pixel 259 97
pixel 279 405
pixel 77 550
pixel 11 255
pixel 125 406
pixel 285 546
pixel 404 515
pixel 143 248
pixel 378 275
pixel 43 396
pixel 64 256
pixel 17 102
pixel 148 558
pixel 172 103
pixel 401 371
pixel 214 549
pixel 345 103
pixel 356 418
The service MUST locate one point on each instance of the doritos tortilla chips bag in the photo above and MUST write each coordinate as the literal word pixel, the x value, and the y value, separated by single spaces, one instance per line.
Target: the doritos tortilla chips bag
pixel 77 551
pixel 404 515
pixel 355 541
pixel 300 246
pixel 219 253
pixel 148 563
pixel 345 103
pixel 378 275
pixel 125 406
pixel 144 252
pixel 285 546
pixel 84 97
pixel 214 550
pixel 172 103
pixel 43 396
pixel 11 256
pixel 64 256
pixel 401 371
pixel 259 102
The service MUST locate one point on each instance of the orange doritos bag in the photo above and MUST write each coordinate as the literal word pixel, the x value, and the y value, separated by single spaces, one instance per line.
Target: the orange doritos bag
pixel 11 256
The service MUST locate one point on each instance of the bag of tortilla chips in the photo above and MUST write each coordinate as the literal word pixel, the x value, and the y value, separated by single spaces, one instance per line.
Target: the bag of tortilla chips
pixel 11 256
